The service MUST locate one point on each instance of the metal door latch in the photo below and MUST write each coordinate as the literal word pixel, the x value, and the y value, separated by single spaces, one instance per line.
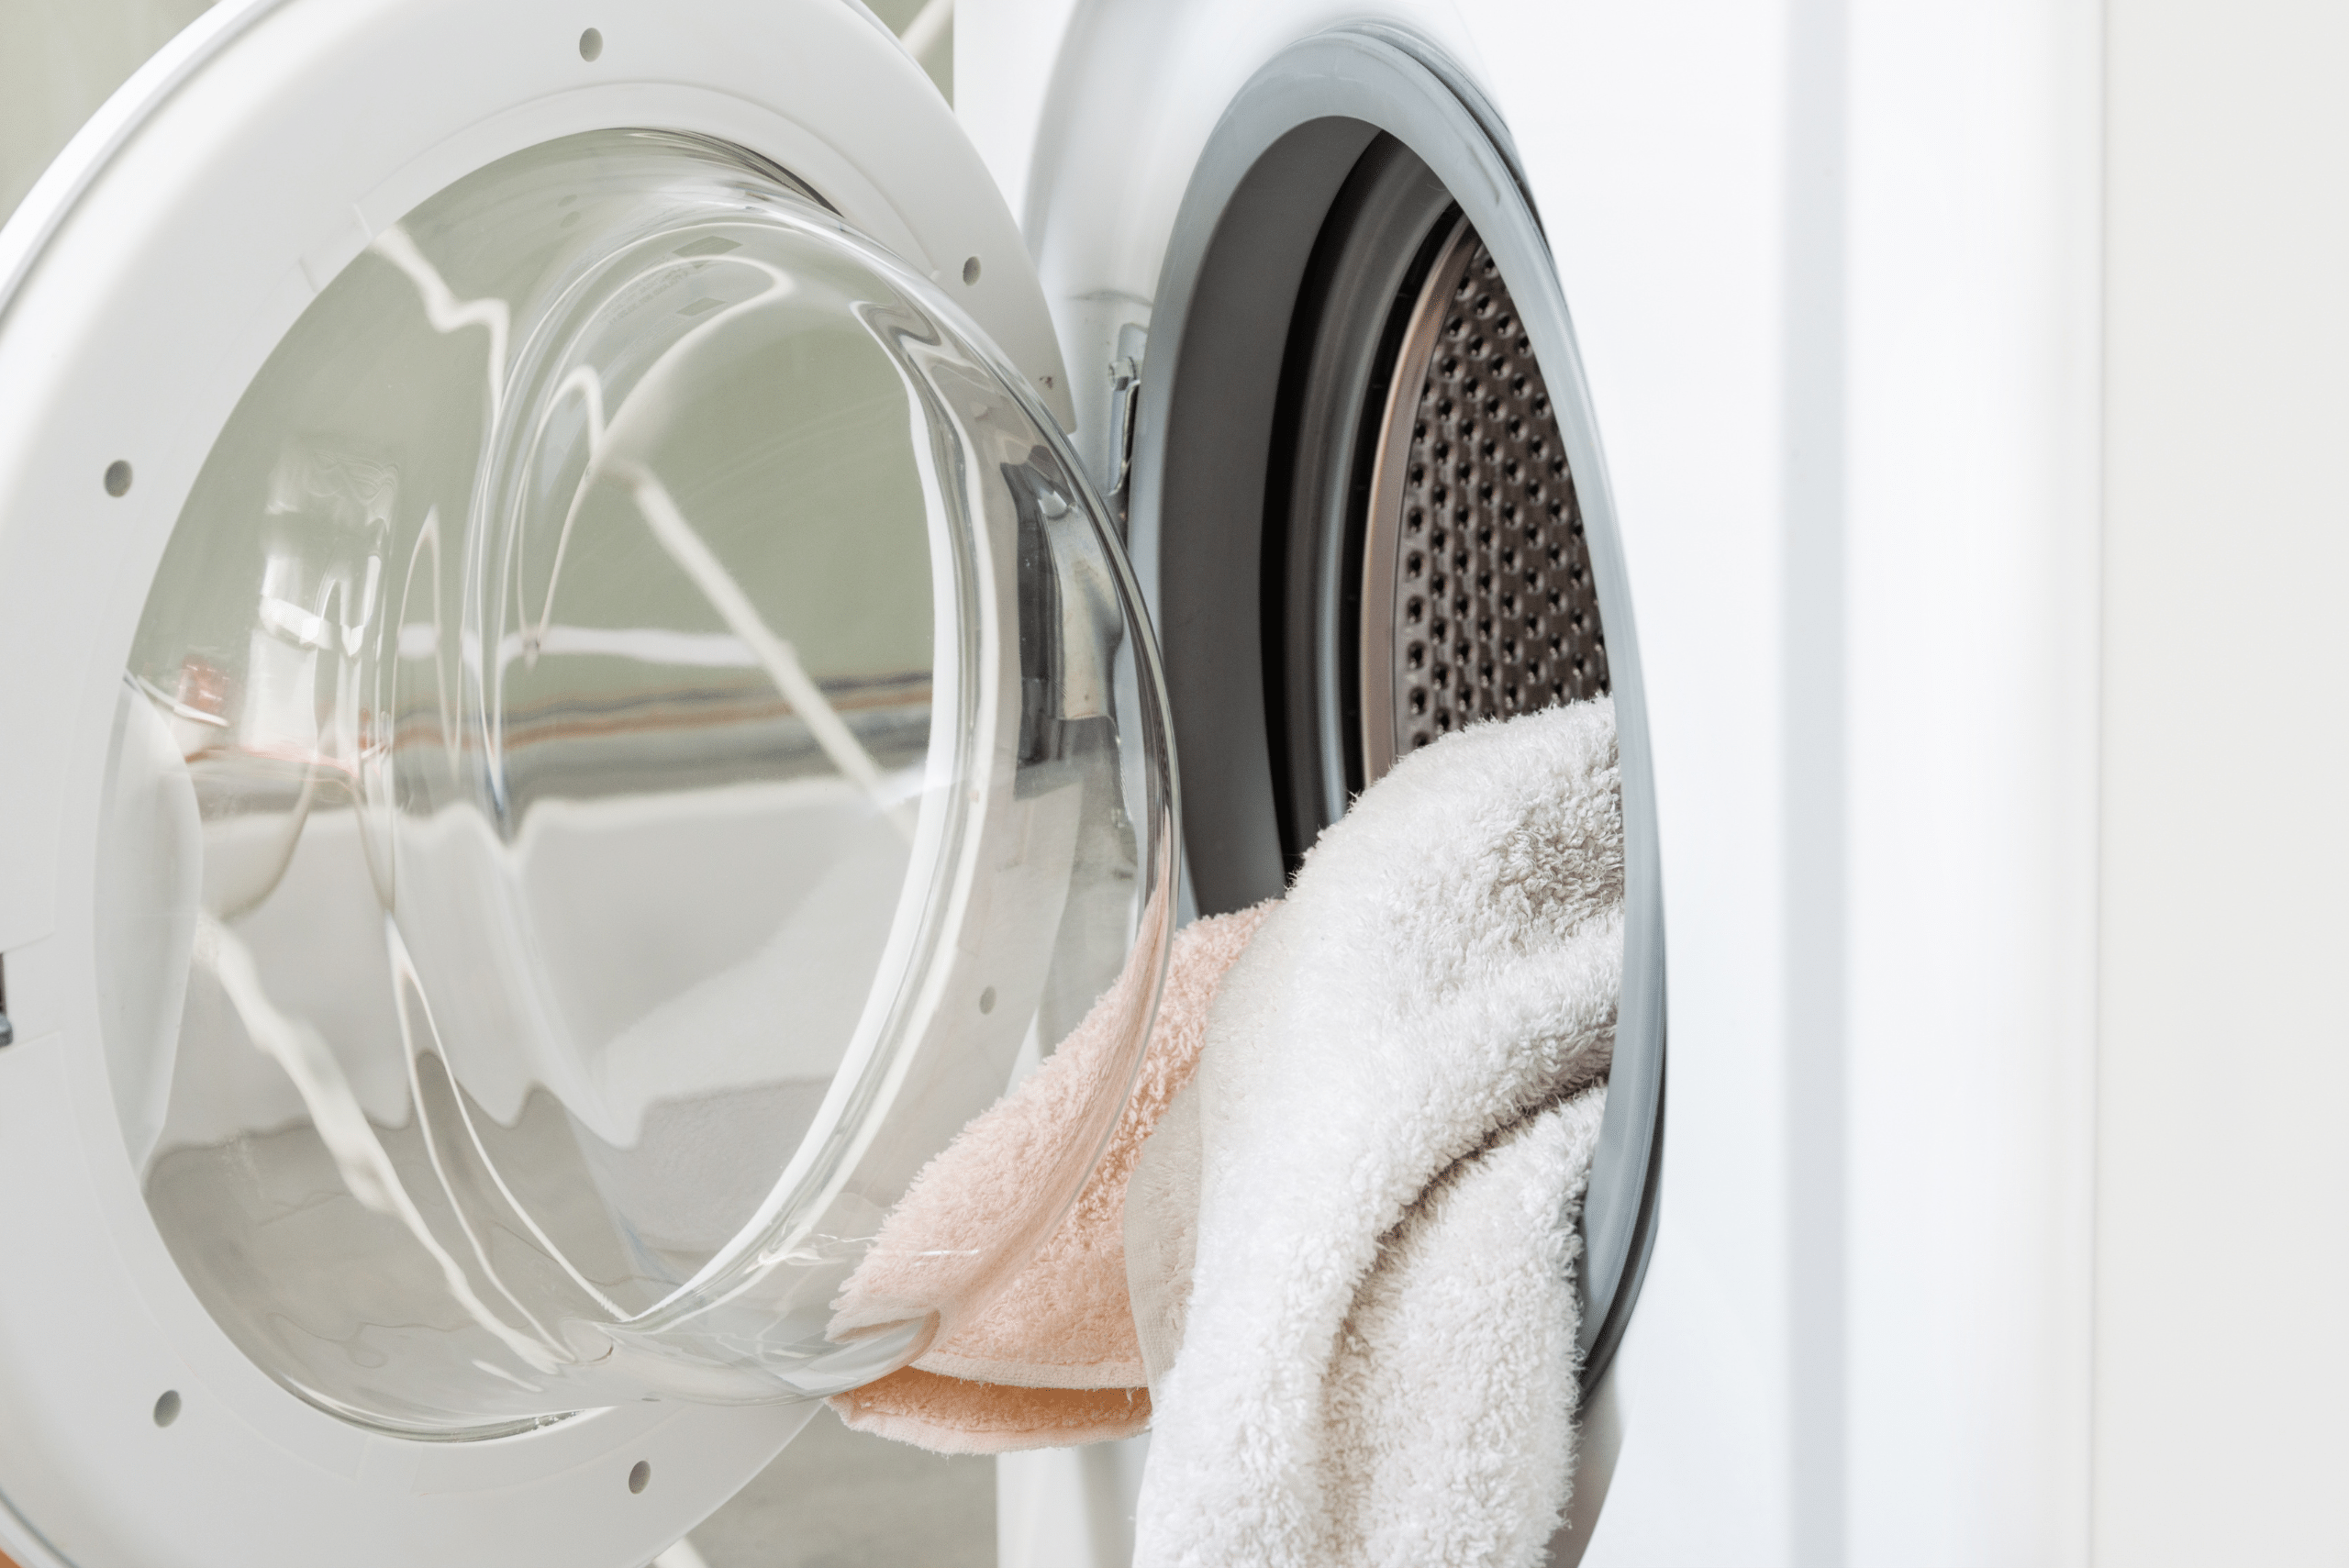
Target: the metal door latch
pixel 1125 409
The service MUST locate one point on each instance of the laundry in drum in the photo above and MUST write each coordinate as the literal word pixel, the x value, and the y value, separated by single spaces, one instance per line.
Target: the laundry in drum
pixel 637 737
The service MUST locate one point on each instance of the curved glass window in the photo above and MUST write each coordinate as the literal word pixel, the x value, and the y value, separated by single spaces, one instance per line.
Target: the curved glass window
pixel 641 732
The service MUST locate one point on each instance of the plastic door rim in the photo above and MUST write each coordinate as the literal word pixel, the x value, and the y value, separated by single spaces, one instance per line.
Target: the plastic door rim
pixel 149 275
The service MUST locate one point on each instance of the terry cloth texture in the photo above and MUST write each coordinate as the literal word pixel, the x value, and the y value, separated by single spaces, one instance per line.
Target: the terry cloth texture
pixel 1052 1360
pixel 1395 1108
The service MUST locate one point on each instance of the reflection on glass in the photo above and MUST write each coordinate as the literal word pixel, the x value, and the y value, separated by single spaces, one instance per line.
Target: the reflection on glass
pixel 637 735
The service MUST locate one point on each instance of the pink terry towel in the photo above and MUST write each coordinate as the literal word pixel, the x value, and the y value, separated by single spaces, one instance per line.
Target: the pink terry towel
pixel 1054 1360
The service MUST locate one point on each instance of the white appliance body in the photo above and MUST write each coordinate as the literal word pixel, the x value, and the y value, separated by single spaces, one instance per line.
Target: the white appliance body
pixel 1833 273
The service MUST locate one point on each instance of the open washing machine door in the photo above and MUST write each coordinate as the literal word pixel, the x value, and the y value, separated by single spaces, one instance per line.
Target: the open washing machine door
pixel 572 719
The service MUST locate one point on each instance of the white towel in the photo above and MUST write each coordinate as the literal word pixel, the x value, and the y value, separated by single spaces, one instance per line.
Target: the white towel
pixel 1374 1359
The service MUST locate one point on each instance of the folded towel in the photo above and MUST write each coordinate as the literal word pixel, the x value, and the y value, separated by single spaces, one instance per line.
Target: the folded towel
pixel 1373 1360
pixel 1052 1359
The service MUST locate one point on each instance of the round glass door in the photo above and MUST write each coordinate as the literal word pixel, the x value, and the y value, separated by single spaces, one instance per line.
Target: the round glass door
pixel 641 732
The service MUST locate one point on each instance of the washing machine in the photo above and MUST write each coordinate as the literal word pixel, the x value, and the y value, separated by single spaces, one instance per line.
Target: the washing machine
pixel 614 619
pixel 598 656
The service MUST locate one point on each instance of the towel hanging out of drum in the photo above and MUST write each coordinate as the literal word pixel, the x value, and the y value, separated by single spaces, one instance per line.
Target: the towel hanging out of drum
pixel 1328 1256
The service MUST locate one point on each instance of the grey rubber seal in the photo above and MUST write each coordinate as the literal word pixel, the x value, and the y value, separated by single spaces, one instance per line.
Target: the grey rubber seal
pixel 1241 244
pixel 1359 297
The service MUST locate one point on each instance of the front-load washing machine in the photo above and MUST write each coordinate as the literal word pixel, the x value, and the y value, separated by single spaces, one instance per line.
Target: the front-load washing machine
pixel 575 712
pixel 613 618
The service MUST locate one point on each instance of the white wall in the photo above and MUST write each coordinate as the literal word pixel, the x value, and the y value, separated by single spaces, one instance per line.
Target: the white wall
pixel 2222 1255
pixel 59 59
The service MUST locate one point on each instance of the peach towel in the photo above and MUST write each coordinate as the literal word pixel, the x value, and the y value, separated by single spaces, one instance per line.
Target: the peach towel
pixel 1053 1359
